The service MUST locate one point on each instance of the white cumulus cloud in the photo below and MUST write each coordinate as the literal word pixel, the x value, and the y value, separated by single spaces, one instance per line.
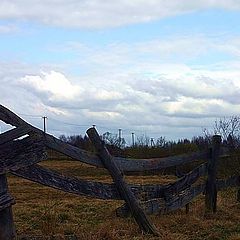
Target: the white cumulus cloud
pixel 55 84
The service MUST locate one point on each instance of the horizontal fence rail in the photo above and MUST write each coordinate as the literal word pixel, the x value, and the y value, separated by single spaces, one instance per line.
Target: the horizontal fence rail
pixel 77 186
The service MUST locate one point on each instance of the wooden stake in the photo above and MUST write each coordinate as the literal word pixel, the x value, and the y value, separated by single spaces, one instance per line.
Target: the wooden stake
pixel 211 190
pixel 124 190
pixel 7 229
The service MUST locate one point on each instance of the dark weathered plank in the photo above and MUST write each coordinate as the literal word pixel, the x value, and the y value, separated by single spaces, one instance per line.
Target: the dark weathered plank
pixel 17 154
pixel 162 163
pixel 211 189
pixel 58 181
pixel 159 206
pixel 71 151
pixel 185 182
pixel 185 197
pixel 14 134
pixel 78 186
pixel 125 164
pixel 7 229
pixel 131 165
pixel 122 187
pixel 9 117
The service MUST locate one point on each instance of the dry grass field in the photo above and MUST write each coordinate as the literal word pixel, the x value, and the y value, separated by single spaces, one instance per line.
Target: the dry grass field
pixel 44 213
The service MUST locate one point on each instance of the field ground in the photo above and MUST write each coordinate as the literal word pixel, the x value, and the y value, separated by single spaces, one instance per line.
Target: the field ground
pixel 41 211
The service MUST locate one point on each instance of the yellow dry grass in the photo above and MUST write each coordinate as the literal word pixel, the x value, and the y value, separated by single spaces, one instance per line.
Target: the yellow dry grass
pixel 52 214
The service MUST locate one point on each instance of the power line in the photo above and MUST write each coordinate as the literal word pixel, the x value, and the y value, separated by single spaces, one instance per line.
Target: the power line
pixel 126 130
pixel 29 115
pixel 61 131
pixel 82 125
pixel 40 116
pixel 67 123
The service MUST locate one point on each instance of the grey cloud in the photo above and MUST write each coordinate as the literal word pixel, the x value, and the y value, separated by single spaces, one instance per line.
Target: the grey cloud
pixel 101 14
pixel 198 87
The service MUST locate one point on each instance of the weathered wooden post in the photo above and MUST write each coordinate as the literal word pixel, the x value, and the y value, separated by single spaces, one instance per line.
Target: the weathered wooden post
pixel 211 189
pixel 124 190
pixel 7 228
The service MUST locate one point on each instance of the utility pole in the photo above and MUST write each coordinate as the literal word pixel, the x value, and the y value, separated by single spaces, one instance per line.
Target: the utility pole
pixel 133 139
pixel 44 123
pixel 152 142
pixel 119 134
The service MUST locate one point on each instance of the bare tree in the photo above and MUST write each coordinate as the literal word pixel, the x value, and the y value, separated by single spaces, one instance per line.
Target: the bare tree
pixel 113 139
pixel 143 141
pixel 228 128
pixel 161 142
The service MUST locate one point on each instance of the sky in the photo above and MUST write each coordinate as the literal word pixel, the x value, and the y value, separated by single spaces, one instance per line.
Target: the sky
pixel 156 67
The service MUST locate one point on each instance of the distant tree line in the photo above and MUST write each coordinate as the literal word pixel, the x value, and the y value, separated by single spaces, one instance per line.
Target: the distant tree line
pixel 228 128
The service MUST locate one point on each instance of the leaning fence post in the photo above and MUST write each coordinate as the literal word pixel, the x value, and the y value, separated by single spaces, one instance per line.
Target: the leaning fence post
pixel 124 190
pixel 211 189
pixel 7 228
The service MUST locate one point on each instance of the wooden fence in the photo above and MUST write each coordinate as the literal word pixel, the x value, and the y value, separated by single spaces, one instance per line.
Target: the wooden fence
pixel 22 148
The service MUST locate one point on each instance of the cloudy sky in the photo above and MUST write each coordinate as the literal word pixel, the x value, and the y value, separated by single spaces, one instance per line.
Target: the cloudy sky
pixel 156 67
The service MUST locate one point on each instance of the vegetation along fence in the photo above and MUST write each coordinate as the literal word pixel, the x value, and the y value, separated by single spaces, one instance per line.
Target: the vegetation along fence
pixel 22 148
